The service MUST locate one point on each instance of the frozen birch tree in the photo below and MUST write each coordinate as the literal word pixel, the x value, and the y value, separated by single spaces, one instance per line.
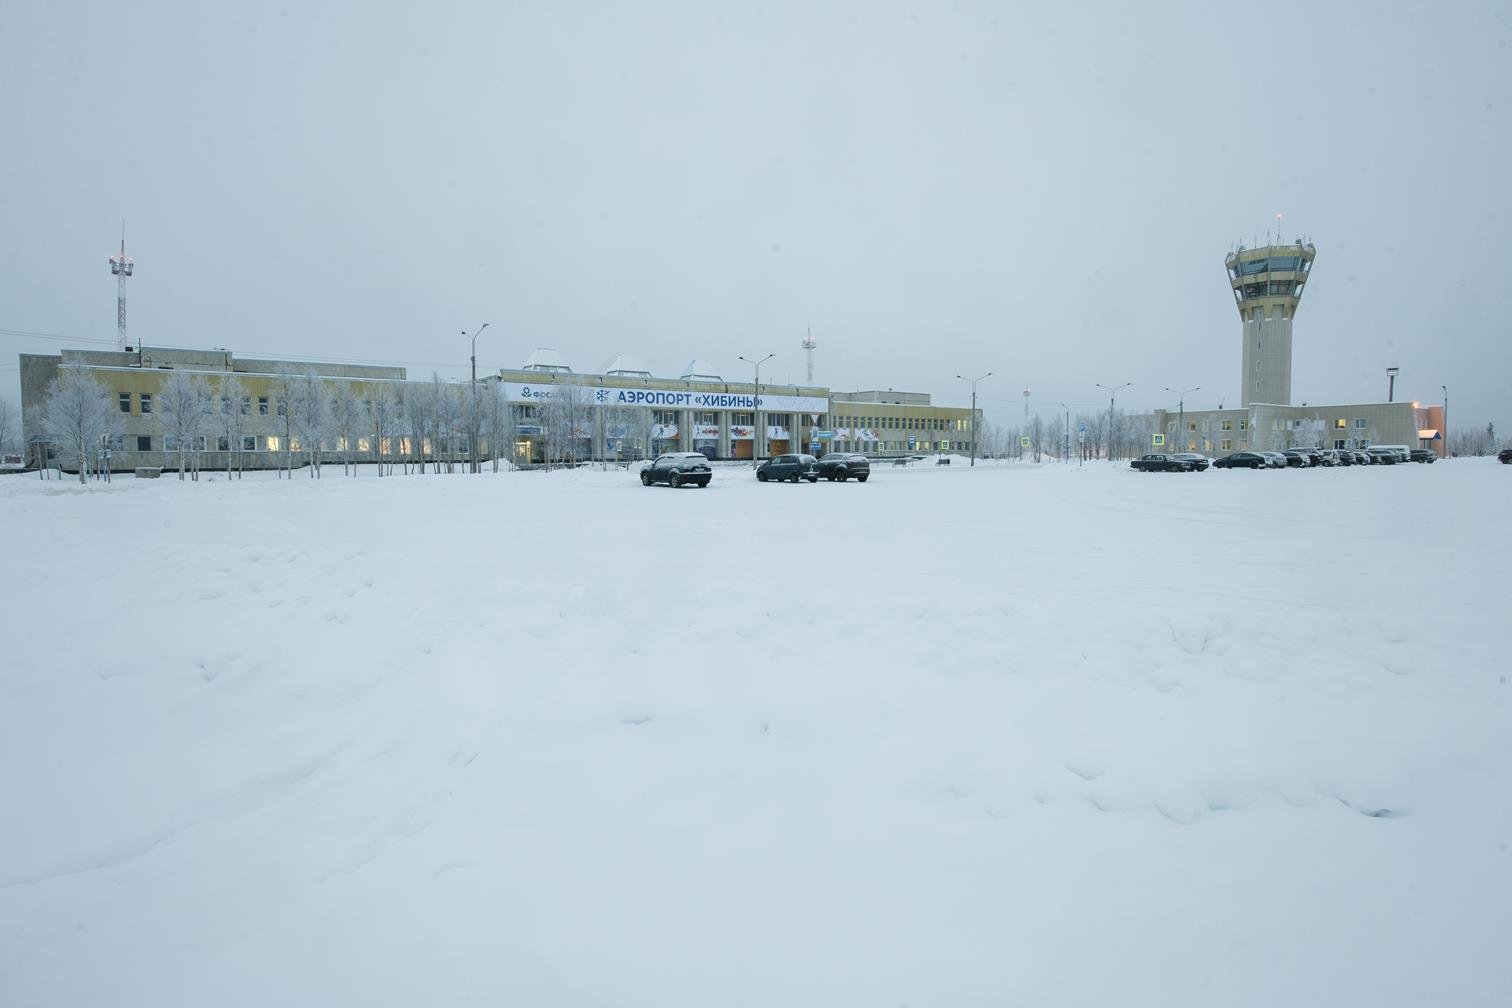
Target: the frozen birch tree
pixel 310 413
pixel 181 406
pixel 346 423
pixel 78 417
pixel 10 427
pixel 235 407
pixel 498 425
pixel 283 387
pixel 382 416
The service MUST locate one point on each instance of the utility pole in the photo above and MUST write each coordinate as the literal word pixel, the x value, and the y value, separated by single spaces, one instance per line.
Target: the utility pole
pixel 473 395
pixel 1446 420
pixel 974 412
pixel 1026 417
pixel 1112 394
pixel 756 430
pixel 1181 413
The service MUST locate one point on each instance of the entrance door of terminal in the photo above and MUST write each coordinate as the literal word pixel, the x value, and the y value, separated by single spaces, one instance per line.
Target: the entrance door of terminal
pixel 741 449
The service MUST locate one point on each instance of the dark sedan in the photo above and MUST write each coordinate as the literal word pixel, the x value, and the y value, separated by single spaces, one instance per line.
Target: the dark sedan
pixel 1242 460
pixel 1162 463
pixel 678 468
pixel 1199 460
pixel 841 466
pixel 788 467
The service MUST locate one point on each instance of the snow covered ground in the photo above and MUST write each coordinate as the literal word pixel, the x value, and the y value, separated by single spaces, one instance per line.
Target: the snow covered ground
pixel 957 737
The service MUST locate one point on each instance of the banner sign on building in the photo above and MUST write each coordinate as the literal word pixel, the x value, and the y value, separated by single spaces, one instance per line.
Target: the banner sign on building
pixel 597 395
pixel 742 433
pixel 664 430
pixel 777 433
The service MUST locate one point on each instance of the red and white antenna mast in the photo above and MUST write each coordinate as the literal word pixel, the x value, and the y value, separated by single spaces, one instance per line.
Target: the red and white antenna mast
pixel 808 346
pixel 121 266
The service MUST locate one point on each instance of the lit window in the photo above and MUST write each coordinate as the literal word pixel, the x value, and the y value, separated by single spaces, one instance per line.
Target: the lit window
pixel 1340 424
pixel 272 444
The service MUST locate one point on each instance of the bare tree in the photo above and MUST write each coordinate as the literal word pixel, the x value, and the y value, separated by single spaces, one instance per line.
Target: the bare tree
pixel 78 417
pixel 382 413
pixel 498 425
pixel 346 422
pixel 284 387
pixel 310 412
pixel 183 406
pixel 10 427
pixel 235 407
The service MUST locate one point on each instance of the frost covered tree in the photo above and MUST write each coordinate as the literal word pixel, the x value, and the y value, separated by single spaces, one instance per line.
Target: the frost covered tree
pixel 283 387
pixel 382 416
pixel 346 422
pixel 10 427
pixel 78 417
pixel 498 425
pixel 183 410
pixel 310 414
pixel 235 407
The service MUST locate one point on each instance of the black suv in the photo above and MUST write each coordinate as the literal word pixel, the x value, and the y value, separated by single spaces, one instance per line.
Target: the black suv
pixel 678 468
pixel 789 467
pixel 1162 463
pixel 840 466
pixel 1423 455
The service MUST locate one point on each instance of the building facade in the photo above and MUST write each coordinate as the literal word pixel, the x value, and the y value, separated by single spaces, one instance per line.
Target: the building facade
pixel 628 412
pixel 135 379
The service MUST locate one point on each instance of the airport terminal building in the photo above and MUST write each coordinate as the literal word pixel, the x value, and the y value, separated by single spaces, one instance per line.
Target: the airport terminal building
pixel 626 411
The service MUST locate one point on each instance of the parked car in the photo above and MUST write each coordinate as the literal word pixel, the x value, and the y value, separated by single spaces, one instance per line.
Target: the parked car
pixel 1504 456
pixel 1274 459
pixel 1161 463
pixel 1341 457
pixel 1200 462
pixel 1243 460
pixel 1296 458
pixel 677 468
pixel 789 467
pixel 843 466
pixel 1423 455
pixel 1382 455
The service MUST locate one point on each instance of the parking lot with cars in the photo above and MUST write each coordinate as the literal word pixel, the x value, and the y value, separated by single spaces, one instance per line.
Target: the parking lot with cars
pixel 1292 458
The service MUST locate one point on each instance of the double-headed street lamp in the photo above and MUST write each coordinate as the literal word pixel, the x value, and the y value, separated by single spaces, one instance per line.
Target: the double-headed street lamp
pixel 1445 420
pixel 973 411
pixel 473 392
pixel 756 410
pixel 1112 393
pixel 1181 414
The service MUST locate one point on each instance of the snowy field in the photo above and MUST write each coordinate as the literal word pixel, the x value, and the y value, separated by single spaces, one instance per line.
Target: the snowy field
pixel 958 737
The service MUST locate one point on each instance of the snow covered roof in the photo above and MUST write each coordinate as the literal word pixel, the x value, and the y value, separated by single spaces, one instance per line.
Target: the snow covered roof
pixel 631 367
pixel 547 359
pixel 700 370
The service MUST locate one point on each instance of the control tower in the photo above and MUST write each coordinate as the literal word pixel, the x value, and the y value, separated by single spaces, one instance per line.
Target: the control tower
pixel 1268 286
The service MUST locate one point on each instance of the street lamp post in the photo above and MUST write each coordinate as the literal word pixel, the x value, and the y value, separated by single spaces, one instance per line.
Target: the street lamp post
pixel 1445 420
pixel 1066 436
pixel 756 410
pixel 973 411
pixel 1391 374
pixel 1181 414
pixel 472 392
pixel 1112 394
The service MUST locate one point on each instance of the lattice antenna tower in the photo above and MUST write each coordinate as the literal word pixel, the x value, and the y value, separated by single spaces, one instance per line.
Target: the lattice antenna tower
pixel 121 266
pixel 809 343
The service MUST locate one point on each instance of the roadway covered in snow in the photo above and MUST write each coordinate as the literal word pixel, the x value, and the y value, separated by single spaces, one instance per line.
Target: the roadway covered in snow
pixel 954 737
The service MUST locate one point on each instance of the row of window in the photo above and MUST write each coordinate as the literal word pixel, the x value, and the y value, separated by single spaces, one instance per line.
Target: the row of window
pixel 270 443
pixel 144 404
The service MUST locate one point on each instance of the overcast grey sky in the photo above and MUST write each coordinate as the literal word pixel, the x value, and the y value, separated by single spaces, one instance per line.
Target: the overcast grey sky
pixel 1042 191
